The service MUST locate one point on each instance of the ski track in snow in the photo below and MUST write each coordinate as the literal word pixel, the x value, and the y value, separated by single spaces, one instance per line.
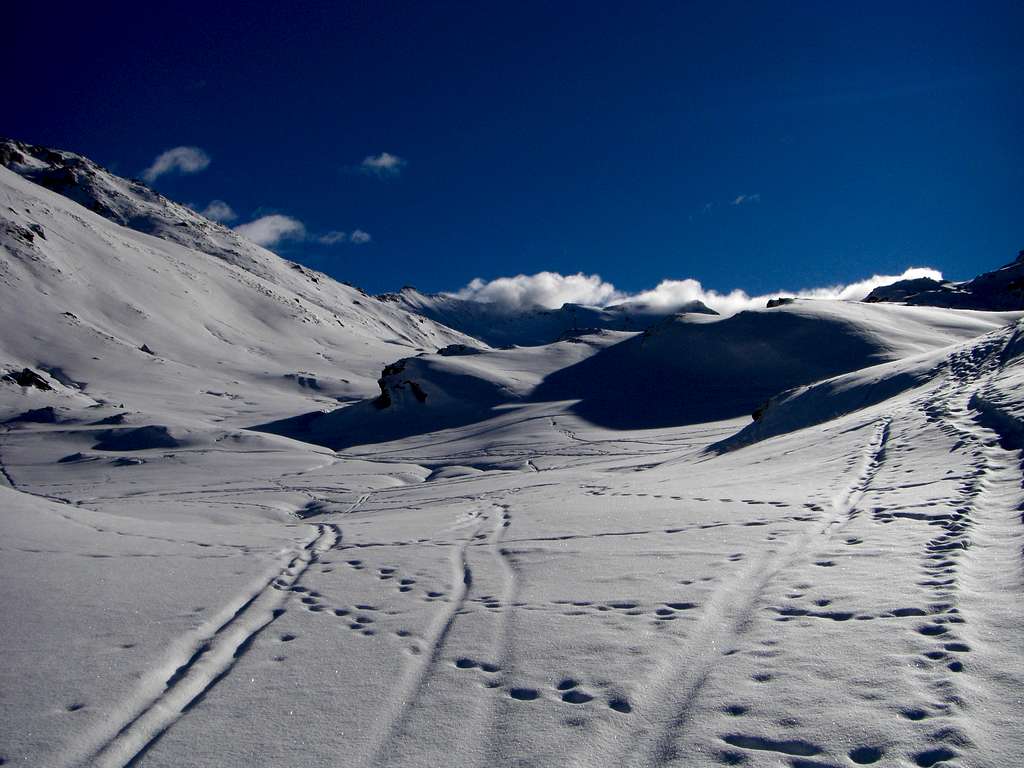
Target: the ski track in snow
pixel 672 689
pixel 212 658
pixel 978 553
pixel 491 721
pixel 4 474
pixel 407 695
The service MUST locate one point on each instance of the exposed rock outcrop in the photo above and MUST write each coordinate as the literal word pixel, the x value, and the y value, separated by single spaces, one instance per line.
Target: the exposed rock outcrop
pixel 26 377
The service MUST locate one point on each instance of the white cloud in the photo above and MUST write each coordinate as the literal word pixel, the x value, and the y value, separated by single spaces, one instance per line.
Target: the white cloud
pixel 550 289
pixel 334 237
pixel 545 289
pixel 218 210
pixel 742 199
pixel 860 289
pixel 383 165
pixel 271 230
pixel 177 160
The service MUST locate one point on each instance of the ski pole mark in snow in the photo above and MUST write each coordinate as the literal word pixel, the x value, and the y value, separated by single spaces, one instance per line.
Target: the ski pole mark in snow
pixel 211 660
pixel 845 504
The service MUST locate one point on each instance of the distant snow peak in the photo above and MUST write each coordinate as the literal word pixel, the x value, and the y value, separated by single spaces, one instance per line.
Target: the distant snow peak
pixel 859 290
pixel 999 290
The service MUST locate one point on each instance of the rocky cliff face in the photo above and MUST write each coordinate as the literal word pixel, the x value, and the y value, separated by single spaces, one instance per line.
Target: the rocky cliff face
pixel 397 387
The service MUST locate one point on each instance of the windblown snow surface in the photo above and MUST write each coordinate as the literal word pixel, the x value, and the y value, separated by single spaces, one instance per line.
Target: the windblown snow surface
pixel 583 553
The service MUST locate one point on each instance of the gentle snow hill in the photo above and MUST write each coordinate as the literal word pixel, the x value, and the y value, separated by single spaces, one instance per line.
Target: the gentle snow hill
pixel 1001 289
pixel 439 391
pixel 500 325
pixel 827 400
pixel 109 314
pixel 688 369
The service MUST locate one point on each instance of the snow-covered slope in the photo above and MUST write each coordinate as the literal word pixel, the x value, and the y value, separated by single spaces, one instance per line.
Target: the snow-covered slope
pixel 687 369
pixel 531 588
pixel 569 570
pixel 501 325
pixel 422 394
pixel 132 204
pixel 126 317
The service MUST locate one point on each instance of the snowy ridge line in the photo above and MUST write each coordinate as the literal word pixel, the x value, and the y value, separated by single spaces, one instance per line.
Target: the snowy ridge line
pixel 212 655
pixel 409 692
pixel 728 614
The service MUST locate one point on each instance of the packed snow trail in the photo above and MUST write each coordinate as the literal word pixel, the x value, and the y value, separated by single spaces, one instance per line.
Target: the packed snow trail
pixel 976 566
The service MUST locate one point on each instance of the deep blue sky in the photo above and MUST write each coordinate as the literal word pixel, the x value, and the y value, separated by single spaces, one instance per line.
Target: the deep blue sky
pixel 603 137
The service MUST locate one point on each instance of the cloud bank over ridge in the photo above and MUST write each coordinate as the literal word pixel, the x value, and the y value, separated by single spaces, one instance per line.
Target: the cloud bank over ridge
pixel 552 290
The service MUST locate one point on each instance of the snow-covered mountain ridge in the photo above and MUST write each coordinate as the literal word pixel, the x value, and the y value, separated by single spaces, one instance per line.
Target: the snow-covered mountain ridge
pixel 83 295
pixel 1001 289
pixel 499 325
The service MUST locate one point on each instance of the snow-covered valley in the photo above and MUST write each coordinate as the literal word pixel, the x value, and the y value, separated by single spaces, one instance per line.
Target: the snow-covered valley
pixel 225 543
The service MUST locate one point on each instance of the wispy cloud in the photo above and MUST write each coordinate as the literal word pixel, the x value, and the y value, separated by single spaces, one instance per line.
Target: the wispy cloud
pixel 551 290
pixel 177 160
pixel 334 237
pixel 745 199
pixel 270 230
pixel 384 165
pixel 218 210
pixel 275 228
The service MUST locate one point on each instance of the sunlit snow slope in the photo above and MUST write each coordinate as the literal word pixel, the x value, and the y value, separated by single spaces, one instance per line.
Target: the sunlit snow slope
pixel 80 297
pixel 582 553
